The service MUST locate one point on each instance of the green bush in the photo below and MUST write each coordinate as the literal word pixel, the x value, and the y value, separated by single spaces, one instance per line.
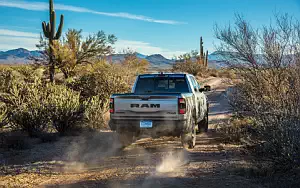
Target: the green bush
pixel 95 109
pixel 34 106
pixel 3 114
pixel 95 89
pixel 237 130
pixel 66 110
pixel 30 113
pixel 47 105
pixel 23 100
pixel 100 83
pixel 190 67
pixel 30 104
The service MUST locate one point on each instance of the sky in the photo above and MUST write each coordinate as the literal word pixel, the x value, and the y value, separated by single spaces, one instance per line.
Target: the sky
pixel 167 27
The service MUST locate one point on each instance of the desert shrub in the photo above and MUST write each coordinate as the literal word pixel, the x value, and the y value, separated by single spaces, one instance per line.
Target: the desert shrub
pixel 133 64
pixel 213 72
pixel 269 87
pixel 101 82
pixel 95 109
pixel 30 104
pixel 36 107
pixel 3 114
pixel 188 66
pixel 48 107
pixel 32 119
pixel 21 95
pixel 237 130
pixel 226 73
pixel 65 109
pixel 96 88
pixel 30 113
pixel 128 74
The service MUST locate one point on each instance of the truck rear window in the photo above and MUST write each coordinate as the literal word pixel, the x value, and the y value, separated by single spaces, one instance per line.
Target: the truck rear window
pixel 161 85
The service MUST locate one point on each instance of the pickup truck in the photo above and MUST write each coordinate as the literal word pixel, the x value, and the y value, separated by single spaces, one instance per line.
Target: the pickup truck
pixel 162 104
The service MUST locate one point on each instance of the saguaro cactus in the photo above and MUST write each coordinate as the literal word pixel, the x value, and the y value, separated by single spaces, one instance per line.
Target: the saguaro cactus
pixel 203 58
pixel 201 55
pixel 50 33
pixel 206 59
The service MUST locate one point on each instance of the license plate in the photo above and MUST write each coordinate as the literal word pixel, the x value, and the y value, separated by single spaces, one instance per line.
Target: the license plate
pixel 145 124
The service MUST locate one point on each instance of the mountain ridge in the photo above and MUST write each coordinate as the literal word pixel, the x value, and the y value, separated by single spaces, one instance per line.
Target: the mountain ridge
pixel 21 55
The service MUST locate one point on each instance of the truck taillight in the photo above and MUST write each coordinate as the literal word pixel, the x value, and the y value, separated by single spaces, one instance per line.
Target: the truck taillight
pixel 111 106
pixel 181 106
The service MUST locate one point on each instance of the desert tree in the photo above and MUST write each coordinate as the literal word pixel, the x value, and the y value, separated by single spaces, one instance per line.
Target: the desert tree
pixel 74 49
pixel 132 62
pixel 82 50
pixel 266 61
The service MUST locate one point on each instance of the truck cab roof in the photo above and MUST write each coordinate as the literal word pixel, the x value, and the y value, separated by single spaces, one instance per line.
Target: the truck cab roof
pixel 163 74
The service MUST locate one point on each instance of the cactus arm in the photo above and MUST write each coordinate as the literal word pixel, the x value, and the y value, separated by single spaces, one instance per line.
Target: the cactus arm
pixel 59 31
pixel 45 31
pixel 48 27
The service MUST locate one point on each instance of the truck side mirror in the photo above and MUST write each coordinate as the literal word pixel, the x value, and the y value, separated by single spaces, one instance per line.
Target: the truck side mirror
pixel 196 89
pixel 207 87
pixel 202 89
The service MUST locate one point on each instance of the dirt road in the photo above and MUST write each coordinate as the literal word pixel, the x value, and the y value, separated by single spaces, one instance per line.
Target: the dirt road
pixel 96 161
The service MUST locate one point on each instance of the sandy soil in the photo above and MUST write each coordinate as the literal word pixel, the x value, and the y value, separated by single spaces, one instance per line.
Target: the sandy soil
pixel 97 160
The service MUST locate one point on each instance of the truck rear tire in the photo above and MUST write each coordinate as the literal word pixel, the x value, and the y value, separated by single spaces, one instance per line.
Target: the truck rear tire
pixel 188 140
pixel 203 125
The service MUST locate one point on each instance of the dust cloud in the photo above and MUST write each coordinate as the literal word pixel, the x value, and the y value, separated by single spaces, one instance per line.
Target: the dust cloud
pixel 89 150
pixel 172 162
pixel 149 159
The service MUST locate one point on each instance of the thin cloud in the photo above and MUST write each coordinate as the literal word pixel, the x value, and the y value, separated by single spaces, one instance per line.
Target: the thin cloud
pixel 12 39
pixel 12 42
pixel 14 33
pixel 40 6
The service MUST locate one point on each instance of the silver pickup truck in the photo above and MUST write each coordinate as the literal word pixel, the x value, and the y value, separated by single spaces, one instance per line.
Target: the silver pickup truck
pixel 163 104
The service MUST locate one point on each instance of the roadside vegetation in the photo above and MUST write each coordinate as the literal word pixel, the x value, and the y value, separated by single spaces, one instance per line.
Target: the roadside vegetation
pixel 32 106
pixel 266 99
pixel 189 63
pixel 66 90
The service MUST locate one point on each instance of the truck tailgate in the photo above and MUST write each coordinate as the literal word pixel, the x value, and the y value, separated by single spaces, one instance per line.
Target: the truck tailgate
pixel 145 107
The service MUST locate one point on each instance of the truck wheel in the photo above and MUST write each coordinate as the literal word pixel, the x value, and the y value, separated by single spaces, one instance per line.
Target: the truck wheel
pixel 203 125
pixel 126 138
pixel 188 140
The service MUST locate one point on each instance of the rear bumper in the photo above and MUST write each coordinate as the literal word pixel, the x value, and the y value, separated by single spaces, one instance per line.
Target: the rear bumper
pixel 160 127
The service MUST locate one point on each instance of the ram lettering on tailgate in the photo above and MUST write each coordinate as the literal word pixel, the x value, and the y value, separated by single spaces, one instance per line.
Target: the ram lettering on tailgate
pixel 145 105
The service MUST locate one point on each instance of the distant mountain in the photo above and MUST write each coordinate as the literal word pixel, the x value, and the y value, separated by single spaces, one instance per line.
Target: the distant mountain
pixel 157 61
pixel 17 56
pixel 142 56
pixel 220 58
